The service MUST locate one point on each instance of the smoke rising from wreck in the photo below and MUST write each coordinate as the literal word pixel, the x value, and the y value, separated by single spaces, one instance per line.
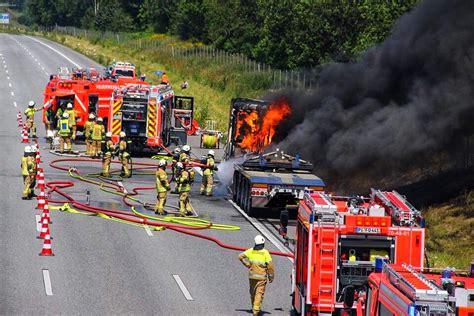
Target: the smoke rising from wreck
pixel 400 103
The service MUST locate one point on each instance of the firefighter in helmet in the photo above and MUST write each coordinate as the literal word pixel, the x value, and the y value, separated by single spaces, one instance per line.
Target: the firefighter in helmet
pixel 185 155
pixel 124 155
pixel 98 134
pixel 28 171
pixel 183 180
pixel 88 126
pixel 208 174
pixel 108 149
pixel 259 263
pixel 72 120
pixel 162 187
pixel 30 117
pixel 64 133
pixel 176 154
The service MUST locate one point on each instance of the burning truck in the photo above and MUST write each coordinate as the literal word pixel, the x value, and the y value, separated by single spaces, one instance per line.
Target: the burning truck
pixel 273 180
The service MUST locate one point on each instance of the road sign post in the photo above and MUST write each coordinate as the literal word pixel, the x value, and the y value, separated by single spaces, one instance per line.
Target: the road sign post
pixel 4 18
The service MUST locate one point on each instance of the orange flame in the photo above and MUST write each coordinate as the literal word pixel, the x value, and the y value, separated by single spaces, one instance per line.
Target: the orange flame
pixel 255 132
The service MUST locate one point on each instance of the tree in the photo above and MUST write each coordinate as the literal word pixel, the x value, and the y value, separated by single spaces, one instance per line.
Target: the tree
pixel 189 20
pixel 112 17
pixel 156 15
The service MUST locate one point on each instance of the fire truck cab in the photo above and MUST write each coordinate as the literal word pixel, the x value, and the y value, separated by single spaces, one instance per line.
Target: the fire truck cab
pixel 338 239
pixel 153 117
pixel 121 69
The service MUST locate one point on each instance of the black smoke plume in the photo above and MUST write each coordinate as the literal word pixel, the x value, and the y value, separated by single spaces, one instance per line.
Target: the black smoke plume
pixel 402 104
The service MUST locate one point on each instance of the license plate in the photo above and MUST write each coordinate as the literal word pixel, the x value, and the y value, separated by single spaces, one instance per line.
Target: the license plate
pixel 367 230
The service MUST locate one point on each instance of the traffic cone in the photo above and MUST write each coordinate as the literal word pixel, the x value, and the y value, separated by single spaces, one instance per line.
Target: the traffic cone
pixel 41 200
pixel 45 215
pixel 25 136
pixel 44 229
pixel 47 250
pixel 20 124
pixel 38 157
pixel 40 181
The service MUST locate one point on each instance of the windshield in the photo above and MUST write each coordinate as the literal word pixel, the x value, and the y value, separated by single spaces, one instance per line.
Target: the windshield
pixel 124 73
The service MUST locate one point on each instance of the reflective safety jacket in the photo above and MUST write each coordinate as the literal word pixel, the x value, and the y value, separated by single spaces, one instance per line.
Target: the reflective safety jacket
pixel 183 181
pixel 27 167
pixel 30 113
pixel 88 129
pixel 209 170
pixel 72 117
pixel 259 263
pixel 63 125
pixel 162 184
pixel 98 132
pixel 183 157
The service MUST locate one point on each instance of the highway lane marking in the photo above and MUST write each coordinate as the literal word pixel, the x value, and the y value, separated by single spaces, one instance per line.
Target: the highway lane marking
pixel 10 85
pixel 8 77
pixel 13 94
pixel 38 222
pixel 55 50
pixel 14 104
pixel 262 229
pixel 46 73
pixel 42 68
pixel 47 283
pixel 148 230
pixel 183 288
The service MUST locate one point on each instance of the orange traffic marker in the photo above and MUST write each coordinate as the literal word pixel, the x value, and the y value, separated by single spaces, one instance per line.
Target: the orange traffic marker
pixel 47 250
pixel 44 229
pixel 41 201
pixel 45 214
pixel 25 136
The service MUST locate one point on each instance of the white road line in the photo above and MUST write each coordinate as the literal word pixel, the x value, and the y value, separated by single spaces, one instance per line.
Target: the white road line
pixel 47 283
pixel 148 230
pixel 14 104
pixel 37 217
pixel 47 74
pixel 183 288
pixel 42 68
pixel 55 50
pixel 10 85
pixel 6 71
pixel 13 94
pixel 8 77
pixel 262 229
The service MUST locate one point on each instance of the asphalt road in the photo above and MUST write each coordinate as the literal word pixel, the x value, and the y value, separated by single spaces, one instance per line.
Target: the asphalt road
pixel 100 266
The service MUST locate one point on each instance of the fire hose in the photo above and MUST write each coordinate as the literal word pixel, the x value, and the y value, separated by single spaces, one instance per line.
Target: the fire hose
pixel 188 226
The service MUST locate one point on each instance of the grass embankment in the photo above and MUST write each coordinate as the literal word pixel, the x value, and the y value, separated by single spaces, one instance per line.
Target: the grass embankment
pixel 450 232
pixel 211 83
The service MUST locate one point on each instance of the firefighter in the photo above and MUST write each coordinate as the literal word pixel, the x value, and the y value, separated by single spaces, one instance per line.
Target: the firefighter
pixel 259 262
pixel 208 174
pixel 183 180
pixel 64 133
pixel 176 154
pixel 162 187
pixel 48 118
pixel 108 149
pixel 164 78
pixel 72 120
pixel 30 118
pixel 60 111
pixel 185 154
pixel 28 168
pixel 124 155
pixel 98 133
pixel 88 133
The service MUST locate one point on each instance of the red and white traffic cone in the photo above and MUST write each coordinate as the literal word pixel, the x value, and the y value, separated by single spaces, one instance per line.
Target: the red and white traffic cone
pixel 44 229
pixel 45 215
pixel 19 116
pixel 41 200
pixel 40 180
pixel 25 136
pixel 47 250
pixel 38 157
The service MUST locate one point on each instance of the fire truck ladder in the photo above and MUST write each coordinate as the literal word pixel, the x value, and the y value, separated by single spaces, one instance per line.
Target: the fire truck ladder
pixel 326 266
pixel 414 284
pixel 401 211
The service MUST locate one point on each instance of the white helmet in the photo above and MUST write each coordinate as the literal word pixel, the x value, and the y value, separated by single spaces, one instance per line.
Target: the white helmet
pixel 211 152
pixel 69 105
pixel 259 240
pixel 65 115
pixel 162 163
pixel 31 103
pixel 122 134
pixel 27 149
pixel 177 150
pixel 179 165
pixel 99 119
pixel 108 134
pixel 186 148
pixel 91 116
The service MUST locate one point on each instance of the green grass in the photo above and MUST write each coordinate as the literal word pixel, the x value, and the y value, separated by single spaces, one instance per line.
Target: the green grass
pixel 450 232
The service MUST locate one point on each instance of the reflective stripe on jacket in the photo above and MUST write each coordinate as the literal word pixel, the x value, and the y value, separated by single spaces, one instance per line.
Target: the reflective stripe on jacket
pixel 162 184
pixel 98 130
pixel 64 127
pixel 210 169
pixel 259 263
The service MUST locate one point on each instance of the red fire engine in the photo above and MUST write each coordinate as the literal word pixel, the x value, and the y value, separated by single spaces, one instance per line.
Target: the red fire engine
pixel 338 242
pixel 87 90
pixel 153 117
